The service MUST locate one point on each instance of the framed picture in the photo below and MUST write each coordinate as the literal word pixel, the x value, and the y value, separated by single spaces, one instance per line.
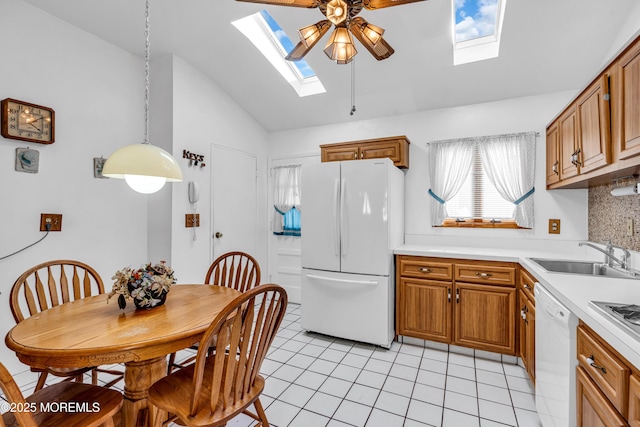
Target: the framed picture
pixel 27 160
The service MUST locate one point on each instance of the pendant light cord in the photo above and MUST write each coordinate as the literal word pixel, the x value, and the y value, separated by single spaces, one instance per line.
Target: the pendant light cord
pixel 146 72
pixel 353 87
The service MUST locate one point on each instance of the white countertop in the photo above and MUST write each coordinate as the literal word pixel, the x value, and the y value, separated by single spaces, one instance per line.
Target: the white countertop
pixel 573 290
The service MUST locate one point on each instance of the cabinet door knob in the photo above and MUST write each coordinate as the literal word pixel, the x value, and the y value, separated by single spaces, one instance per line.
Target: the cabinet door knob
pixel 218 235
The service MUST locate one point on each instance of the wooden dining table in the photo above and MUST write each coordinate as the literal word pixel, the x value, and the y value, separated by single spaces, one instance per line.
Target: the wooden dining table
pixel 92 332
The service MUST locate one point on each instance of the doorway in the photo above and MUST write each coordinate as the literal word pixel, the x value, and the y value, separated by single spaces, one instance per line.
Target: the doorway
pixel 234 204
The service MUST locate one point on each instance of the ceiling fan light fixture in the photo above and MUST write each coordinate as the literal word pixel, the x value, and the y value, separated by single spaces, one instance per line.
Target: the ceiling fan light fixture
pixel 310 34
pixel 340 47
pixel 373 33
pixel 337 11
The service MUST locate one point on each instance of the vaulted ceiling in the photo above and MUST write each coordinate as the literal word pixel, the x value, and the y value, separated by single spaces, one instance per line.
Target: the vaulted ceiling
pixel 547 46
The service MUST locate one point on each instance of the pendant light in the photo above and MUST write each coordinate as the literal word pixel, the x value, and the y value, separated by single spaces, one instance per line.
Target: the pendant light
pixel 144 167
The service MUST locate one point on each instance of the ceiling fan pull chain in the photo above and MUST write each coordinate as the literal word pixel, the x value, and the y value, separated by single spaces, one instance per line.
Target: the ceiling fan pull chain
pixel 353 87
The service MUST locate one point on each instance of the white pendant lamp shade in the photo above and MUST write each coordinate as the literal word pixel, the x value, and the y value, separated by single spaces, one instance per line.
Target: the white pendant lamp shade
pixel 145 167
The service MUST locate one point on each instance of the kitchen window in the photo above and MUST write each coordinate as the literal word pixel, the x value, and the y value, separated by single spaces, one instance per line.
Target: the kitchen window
pixel 483 182
pixel 286 200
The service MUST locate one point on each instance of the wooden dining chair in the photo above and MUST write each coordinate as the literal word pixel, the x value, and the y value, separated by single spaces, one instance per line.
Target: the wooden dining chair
pixel 221 385
pixel 50 284
pixel 91 405
pixel 237 270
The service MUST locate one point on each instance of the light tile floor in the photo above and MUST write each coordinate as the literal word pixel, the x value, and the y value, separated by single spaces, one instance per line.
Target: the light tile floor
pixel 317 381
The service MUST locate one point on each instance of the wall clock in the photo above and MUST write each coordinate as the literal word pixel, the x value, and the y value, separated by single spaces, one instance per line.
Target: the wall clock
pixel 27 122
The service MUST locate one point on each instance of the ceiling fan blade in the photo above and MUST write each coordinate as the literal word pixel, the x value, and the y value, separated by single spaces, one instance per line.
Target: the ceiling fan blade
pixel 380 50
pixel 298 52
pixel 295 3
pixel 379 4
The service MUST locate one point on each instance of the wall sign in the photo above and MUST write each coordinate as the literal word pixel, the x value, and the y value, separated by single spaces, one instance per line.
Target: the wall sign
pixel 27 160
pixel 194 158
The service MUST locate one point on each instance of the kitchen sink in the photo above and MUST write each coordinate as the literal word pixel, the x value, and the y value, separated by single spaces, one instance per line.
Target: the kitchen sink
pixel 589 268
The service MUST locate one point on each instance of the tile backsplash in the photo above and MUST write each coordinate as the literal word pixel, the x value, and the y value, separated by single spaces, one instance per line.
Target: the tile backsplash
pixel 608 215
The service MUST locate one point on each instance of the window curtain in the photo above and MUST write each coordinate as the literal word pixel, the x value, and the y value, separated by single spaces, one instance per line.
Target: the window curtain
pixel 449 166
pixel 286 194
pixel 509 162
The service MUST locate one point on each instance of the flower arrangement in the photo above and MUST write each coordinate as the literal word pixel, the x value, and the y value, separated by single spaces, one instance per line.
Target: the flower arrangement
pixel 147 286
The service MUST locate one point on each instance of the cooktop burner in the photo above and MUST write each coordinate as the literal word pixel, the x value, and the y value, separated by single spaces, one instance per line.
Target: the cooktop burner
pixel 625 315
pixel 630 312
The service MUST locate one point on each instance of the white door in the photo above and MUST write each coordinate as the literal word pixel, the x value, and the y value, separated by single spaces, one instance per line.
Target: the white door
pixel 234 219
pixel 365 217
pixel 320 196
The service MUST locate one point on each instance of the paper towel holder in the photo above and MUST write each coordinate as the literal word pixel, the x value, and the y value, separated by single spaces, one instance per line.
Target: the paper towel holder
pixel 629 190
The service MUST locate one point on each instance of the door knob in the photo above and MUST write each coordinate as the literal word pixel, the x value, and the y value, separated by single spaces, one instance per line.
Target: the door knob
pixel 218 234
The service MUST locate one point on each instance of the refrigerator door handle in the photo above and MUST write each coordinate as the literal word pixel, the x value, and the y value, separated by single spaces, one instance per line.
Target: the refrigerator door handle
pixel 343 222
pixel 336 218
pixel 353 282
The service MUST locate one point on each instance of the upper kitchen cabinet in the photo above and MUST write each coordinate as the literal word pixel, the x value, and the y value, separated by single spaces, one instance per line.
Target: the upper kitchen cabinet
pixel 597 137
pixel 553 154
pixel 628 102
pixel 396 148
pixel 568 144
pixel 594 136
pixel 579 141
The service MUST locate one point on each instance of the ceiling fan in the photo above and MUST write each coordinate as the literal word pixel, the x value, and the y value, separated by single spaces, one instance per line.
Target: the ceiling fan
pixel 343 15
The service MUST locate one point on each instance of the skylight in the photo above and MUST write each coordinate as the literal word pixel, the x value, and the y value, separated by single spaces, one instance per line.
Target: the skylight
pixel 271 40
pixel 477 29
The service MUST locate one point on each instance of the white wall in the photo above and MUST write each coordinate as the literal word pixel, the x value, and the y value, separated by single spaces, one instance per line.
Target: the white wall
pixel 96 92
pixel 514 115
pixel 203 114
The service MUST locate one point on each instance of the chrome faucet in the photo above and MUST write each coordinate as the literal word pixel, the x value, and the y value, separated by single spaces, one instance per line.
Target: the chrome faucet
pixel 609 256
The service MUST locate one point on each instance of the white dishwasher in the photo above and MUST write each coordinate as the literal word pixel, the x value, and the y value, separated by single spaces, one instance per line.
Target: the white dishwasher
pixel 555 360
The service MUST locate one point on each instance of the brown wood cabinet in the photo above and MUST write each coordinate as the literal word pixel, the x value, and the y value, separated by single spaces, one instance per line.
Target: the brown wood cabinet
pixel 527 322
pixel 473 307
pixel 598 134
pixel 396 148
pixel 628 101
pixel 607 392
pixel 553 154
pixel 594 136
pixel 634 401
pixel 592 407
pixel 568 144
pixel 605 369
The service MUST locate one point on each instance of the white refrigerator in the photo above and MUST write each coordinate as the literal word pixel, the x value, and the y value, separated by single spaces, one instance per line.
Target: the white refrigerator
pixel 352 217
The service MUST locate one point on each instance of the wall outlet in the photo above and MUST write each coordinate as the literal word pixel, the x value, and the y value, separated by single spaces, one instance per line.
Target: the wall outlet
pixel 191 220
pixel 554 226
pixel 54 221
pixel 629 226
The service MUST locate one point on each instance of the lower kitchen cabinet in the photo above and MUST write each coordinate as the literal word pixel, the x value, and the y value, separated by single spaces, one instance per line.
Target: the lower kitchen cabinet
pixel 593 407
pixel 527 323
pixel 426 308
pixel 461 302
pixel 484 317
pixel 634 401
pixel 607 386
